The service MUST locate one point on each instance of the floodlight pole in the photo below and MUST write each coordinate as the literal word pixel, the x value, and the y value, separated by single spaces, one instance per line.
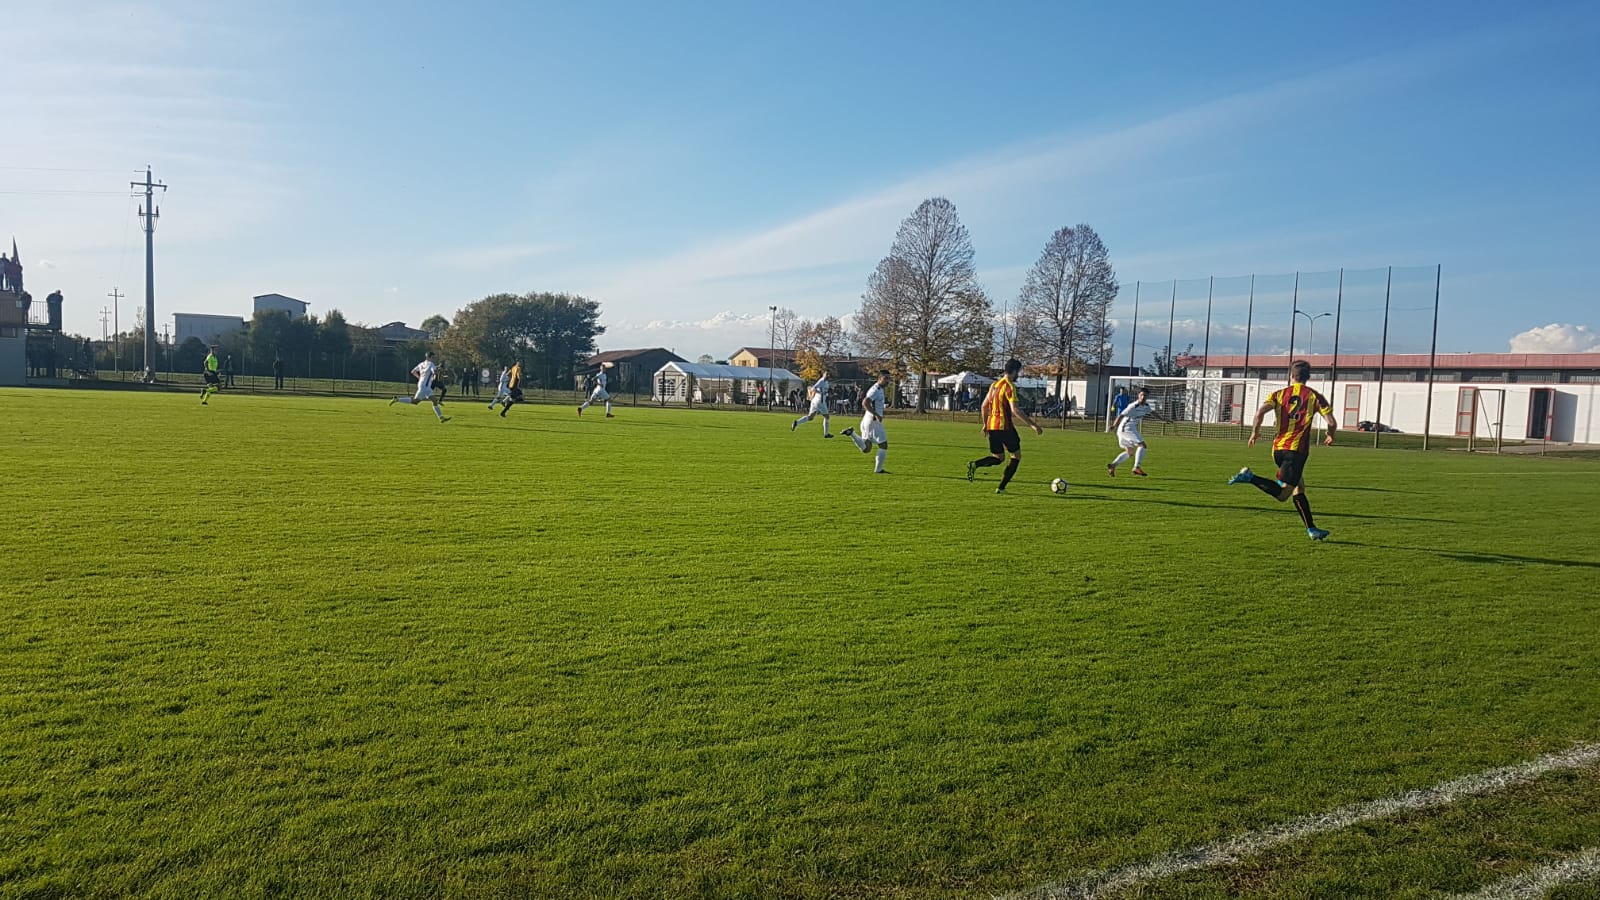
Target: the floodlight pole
pixel 773 361
pixel 1433 355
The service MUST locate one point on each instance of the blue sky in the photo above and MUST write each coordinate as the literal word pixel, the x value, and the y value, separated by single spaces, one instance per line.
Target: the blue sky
pixel 689 165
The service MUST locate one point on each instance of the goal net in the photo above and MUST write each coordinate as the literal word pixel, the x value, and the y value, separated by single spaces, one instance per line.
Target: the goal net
pixel 1190 401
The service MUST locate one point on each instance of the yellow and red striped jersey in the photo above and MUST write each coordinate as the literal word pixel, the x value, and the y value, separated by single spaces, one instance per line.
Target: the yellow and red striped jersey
pixel 1001 395
pixel 1295 407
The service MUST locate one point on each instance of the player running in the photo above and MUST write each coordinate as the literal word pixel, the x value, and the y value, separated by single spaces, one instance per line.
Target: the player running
pixel 599 392
pixel 1295 408
pixel 1129 437
pixel 819 405
pixel 999 414
pixel 872 424
pixel 213 383
pixel 425 372
pixel 509 391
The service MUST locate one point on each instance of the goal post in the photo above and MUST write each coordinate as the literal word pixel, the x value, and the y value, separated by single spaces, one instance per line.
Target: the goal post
pixel 1196 402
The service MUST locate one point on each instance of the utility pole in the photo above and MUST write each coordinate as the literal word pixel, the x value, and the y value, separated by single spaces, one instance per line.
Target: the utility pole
pixel 105 319
pixel 149 213
pixel 116 330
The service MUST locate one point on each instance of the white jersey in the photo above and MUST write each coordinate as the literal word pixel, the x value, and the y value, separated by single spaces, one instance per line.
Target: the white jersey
pixel 872 403
pixel 424 375
pixel 819 395
pixel 424 378
pixel 1133 417
pixel 505 381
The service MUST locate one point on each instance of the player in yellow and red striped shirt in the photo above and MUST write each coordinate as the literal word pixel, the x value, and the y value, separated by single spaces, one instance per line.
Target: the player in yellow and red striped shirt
pixel 1000 412
pixel 1295 408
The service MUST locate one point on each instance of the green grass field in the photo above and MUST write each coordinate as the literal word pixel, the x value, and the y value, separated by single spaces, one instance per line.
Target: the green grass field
pixel 290 646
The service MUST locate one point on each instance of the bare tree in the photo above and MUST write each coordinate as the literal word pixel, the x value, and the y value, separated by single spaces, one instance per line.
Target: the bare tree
pixel 1062 309
pixel 818 342
pixel 923 307
pixel 786 328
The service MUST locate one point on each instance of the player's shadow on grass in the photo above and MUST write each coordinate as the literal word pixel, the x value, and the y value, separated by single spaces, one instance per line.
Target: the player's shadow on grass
pixel 1493 559
pixel 1277 508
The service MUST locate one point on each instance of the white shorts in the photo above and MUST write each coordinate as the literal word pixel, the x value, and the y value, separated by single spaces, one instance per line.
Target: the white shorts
pixel 598 395
pixel 424 392
pixel 819 407
pixel 872 430
pixel 1129 439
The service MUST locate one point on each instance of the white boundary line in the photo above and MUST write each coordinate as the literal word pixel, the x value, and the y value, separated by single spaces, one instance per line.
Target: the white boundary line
pixel 1205 856
pixel 1539 881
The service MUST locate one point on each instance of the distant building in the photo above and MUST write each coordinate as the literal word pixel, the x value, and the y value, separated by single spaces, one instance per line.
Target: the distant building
pixel 631 370
pixel 763 356
pixel 13 340
pixel 399 333
pixel 207 328
pixel 281 303
pixel 1537 396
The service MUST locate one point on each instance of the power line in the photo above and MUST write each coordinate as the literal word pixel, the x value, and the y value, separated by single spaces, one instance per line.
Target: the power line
pixel 45 192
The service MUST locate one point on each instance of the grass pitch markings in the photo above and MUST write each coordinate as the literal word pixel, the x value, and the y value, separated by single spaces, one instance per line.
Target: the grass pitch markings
pixel 1539 881
pixel 1205 856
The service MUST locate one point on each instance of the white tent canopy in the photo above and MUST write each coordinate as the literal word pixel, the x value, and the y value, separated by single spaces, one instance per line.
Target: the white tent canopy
pixel 714 382
pixel 961 379
pixel 704 371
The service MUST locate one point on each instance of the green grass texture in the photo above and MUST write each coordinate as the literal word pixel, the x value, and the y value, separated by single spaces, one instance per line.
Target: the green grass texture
pixel 322 647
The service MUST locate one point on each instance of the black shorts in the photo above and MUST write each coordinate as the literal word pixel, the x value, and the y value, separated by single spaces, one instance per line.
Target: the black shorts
pixel 1001 441
pixel 516 395
pixel 211 378
pixel 1291 465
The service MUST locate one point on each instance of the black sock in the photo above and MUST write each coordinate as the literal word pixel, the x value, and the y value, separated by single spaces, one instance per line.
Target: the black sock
pixel 1011 469
pixel 986 462
pixel 1267 486
pixel 1304 506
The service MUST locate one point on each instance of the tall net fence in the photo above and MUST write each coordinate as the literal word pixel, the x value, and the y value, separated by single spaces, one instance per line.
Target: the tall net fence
pixel 1368 334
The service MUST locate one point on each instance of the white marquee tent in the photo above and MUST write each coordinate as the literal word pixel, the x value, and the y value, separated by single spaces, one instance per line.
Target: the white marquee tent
pixel 680 382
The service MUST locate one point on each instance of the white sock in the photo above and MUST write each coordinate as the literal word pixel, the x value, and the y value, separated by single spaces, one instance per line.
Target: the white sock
pixel 1138 458
pixel 803 419
pixel 402 399
pixel 608 407
pixel 825 429
pixel 438 412
pixel 882 453
pixel 1121 458
pixel 860 444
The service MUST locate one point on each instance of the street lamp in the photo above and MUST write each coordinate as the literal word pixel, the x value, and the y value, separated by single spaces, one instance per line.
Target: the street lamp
pixel 772 346
pixel 1311 337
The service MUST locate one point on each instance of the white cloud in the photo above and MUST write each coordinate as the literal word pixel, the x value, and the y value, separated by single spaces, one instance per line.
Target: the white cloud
pixel 1554 338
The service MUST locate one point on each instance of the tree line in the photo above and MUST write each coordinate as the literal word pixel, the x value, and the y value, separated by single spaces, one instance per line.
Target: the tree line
pixel 924 309
pixel 551 332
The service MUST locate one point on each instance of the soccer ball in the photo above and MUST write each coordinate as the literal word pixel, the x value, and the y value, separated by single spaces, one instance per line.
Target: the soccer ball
pixel 1059 486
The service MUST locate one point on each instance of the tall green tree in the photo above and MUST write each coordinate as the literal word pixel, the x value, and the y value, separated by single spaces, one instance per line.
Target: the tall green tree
pixel 923 307
pixel 551 332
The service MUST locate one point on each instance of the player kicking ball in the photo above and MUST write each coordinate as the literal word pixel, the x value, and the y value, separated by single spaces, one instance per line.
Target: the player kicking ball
pixel 999 421
pixel 819 405
pixel 425 372
pixel 872 425
pixel 600 393
pixel 1295 408
pixel 1127 426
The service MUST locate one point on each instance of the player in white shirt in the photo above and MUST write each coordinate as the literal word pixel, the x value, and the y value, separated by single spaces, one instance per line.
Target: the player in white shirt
pixel 425 372
pixel 872 424
pixel 819 405
pixel 1126 425
pixel 502 391
pixel 599 392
